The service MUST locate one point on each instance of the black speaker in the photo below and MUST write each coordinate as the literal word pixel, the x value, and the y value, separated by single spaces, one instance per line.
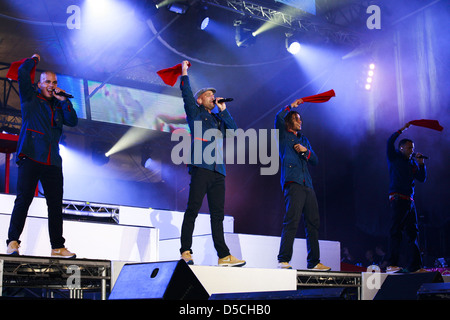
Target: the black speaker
pixel 405 286
pixel 434 291
pixel 171 280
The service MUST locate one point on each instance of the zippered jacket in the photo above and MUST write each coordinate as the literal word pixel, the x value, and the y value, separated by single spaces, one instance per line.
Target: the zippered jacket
pixel 402 171
pixel 294 165
pixel 42 120
pixel 198 116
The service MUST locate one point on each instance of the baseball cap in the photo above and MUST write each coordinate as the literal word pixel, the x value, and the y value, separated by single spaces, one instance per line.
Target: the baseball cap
pixel 202 91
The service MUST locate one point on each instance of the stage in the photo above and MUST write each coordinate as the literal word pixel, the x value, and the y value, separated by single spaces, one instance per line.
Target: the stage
pixel 132 253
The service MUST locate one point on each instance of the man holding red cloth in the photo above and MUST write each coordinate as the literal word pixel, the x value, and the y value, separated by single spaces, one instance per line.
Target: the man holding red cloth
pixel 44 113
pixel 403 170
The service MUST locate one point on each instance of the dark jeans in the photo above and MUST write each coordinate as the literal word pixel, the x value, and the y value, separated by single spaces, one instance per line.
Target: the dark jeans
pixel 300 199
pixel 404 219
pixel 212 184
pixel 51 177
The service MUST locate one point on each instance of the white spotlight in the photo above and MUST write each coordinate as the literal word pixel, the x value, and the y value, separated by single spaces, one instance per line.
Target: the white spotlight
pixel 294 47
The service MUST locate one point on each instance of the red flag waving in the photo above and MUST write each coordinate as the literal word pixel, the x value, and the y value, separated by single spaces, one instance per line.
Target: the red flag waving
pixel 430 124
pixel 321 97
pixel 13 72
pixel 170 75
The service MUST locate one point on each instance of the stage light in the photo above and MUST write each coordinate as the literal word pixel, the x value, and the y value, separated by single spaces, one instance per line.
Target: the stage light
pixel 292 44
pixel 370 76
pixel 99 155
pixel 148 8
pixel 178 7
pixel 244 32
pixel 203 18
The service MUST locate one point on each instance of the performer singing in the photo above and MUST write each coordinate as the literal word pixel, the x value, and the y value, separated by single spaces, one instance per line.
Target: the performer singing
pixel 296 154
pixel 44 113
pixel 403 170
pixel 206 178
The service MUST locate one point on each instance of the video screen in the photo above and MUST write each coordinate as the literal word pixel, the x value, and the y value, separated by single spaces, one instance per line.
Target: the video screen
pixel 137 108
pixel 75 87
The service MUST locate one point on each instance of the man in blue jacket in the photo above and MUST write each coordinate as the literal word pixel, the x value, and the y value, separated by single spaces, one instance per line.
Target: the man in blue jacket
pixel 44 113
pixel 296 154
pixel 207 175
pixel 403 170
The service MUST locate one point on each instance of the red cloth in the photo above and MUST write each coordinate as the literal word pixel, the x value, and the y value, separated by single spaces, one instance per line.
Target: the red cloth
pixel 321 97
pixel 430 124
pixel 13 72
pixel 170 75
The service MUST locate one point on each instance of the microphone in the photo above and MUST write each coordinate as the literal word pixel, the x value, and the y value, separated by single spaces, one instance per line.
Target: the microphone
pixel 419 157
pixel 64 94
pixel 223 100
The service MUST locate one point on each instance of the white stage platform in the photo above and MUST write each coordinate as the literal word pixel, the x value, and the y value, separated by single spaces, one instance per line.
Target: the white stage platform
pixel 218 280
pixel 145 235
pixel 148 235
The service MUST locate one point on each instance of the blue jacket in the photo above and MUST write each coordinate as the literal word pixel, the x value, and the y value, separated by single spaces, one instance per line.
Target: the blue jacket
pixel 197 115
pixel 294 165
pixel 42 121
pixel 402 171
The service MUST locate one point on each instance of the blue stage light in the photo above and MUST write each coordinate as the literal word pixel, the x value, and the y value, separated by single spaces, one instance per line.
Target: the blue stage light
pixel 204 23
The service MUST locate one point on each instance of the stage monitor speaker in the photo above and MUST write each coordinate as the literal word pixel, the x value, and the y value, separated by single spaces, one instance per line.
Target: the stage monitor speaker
pixel 434 291
pixel 302 294
pixel 405 286
pixel 171 280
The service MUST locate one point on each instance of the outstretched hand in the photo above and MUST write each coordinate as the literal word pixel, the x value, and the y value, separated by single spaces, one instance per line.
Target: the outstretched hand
pixel 296 103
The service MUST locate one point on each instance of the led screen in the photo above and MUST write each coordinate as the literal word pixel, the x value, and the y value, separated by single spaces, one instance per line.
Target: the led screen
pixel 75 87
pixel 138 108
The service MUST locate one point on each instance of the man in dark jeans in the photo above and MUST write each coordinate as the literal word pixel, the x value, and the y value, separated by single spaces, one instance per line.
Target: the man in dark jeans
pixel 403 170
pixel 296 154
pixel 207 177
pixel 43 115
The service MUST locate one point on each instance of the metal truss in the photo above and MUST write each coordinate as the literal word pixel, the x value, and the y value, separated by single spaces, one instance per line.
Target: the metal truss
pixel 293 19
pixel 89 210
pixel 55 275
pixel 328 279
pixel 10 117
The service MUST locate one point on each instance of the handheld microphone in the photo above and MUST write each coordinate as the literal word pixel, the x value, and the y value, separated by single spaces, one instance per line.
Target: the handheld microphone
pixel 223 100
pixel 419 157
pixel 64 94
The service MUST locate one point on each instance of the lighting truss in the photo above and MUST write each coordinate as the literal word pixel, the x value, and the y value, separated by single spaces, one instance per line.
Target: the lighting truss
pixel 328 279
pixel 90 210
pixel 300 21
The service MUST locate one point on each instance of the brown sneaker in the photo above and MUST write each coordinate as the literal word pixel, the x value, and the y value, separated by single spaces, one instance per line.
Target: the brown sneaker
pixel 284 265
pixel 13 248
pixel 230 261
pixel 320 267
pixel 63 253
pixel 186 256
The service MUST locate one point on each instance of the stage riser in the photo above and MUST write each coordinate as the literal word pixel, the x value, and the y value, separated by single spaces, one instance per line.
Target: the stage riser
pixel 232 280
pixel 258 251
pixel 87 239
pixel 168 222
